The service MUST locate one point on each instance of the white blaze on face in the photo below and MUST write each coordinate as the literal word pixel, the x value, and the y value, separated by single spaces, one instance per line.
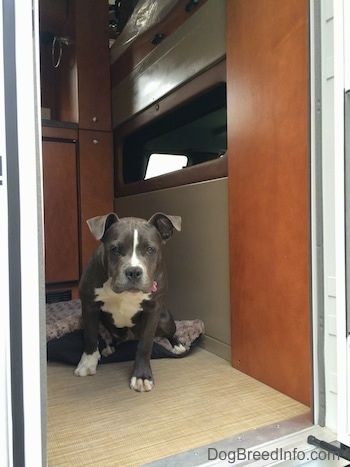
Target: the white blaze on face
pixel 135 260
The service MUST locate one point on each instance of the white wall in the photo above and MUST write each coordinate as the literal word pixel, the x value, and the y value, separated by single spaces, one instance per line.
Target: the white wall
pixel 197 258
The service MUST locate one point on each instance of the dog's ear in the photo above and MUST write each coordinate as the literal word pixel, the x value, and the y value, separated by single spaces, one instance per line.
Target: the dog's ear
pixel 165 224
pixel 100 224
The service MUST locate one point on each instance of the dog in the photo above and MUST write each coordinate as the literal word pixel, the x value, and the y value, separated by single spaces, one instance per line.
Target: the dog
pixel 124 286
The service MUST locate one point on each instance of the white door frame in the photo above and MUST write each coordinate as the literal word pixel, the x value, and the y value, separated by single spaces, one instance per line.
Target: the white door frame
pixel 334 75
pixel 5 373
pixel 22 376
pixel 344 344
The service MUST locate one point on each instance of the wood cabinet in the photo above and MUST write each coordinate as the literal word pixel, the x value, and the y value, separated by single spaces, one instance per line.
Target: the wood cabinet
pixel 96 183
pixel 78 185
pixel 268 141
pixel 58 84
pixel 77 145
pixel 92 58
pixel 61 211
pixel 78 89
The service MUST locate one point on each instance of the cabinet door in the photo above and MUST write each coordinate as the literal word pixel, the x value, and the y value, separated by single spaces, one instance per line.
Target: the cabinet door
pixel 60 211
pixel 96 183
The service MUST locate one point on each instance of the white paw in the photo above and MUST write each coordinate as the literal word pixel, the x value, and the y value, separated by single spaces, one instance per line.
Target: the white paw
pixel 107 351
pixel 179 349
pixel 87 364
pixel 140 384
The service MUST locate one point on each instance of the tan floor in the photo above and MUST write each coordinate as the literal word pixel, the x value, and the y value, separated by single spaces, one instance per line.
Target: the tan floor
pixel 197 400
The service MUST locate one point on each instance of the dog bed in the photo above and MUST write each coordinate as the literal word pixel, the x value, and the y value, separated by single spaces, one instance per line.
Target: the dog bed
pixel 65 337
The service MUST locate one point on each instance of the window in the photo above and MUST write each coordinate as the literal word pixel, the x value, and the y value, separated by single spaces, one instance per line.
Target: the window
pixel 159 164
pixel 193 133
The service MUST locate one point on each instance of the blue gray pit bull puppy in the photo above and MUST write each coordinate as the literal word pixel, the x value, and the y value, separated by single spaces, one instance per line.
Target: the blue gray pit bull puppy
pixel 124 286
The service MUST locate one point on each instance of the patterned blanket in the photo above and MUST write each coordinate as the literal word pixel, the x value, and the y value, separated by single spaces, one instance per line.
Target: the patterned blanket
pixel 63 319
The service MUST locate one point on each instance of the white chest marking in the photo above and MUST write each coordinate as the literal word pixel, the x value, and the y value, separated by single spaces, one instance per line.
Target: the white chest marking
pixel 122 306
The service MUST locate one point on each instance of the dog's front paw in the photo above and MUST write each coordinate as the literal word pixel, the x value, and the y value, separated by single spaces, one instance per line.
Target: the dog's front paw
pixel 87 364
pixel 141 384
pixel 178 348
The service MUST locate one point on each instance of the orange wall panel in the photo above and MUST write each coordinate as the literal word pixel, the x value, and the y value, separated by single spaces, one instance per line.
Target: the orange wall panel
pixel 268 162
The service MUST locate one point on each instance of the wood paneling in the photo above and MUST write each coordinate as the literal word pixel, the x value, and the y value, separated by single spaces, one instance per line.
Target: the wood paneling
pixel 60 212
pixel 60 133
pixel 96 183
pixel 92 55
pixel 268 140
pixel 53 14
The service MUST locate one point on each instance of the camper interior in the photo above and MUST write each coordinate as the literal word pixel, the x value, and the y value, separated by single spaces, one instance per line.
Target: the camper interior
pixel 220 89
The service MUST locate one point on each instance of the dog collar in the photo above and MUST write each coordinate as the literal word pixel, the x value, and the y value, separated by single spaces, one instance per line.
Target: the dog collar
pixel 154 286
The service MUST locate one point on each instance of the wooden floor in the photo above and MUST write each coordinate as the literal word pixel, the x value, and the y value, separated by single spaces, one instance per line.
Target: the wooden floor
pixel 197 400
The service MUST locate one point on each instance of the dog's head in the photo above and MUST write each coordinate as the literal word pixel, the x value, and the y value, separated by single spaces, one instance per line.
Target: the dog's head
pixel 133 249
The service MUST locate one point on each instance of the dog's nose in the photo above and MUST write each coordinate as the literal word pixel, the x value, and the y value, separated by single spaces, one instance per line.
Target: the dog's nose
pixel 133 273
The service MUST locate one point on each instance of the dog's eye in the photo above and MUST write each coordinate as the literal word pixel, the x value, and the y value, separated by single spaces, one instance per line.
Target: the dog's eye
pixel 150 250
pixel 115 250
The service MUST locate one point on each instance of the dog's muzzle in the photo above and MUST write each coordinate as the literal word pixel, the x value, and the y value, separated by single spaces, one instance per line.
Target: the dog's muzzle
pixel 133 274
